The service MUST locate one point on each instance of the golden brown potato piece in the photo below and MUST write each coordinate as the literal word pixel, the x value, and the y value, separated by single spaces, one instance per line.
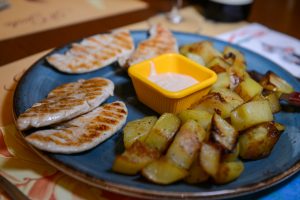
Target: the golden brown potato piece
pixel 204 49
pixel 196 174
pixel 251 114
pixel 273 101
pixel 179 157
pixel 235 78
pixel 221 101
pixel 239 66
pixel 229 171
pixel 272 98
pixel 223 81
pixel 231 155
pixel 163 131
pixel 248 88
pixel 140 153
pixel 223 133
pixel 133 159
pixel 258 142
pixel 201 116
pixel 218 65
pixel 186 144
pixel 273 82
pixel 213 103
pixel 196 58
pixel 185 49
pixel 233 99
pixel 137 130
pixel 231 54
pixel 209 157
pixel 279 127
pixel 162 171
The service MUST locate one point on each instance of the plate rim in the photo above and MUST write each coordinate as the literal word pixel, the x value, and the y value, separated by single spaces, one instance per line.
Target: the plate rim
pixel 148 193
pixel 151 194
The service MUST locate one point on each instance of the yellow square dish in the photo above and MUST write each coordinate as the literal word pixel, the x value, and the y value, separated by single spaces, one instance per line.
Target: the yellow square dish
pixel 163 100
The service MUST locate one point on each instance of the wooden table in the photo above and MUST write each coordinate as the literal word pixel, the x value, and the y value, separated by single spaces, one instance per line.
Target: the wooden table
pixel 281 15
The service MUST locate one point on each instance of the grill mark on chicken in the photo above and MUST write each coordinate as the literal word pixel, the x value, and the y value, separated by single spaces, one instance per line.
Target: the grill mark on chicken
pixel 117 110
pixel 113 115
pixel 94 52
pixel 82 133
pixel 161 41
pixel 52 107
pixel 65 102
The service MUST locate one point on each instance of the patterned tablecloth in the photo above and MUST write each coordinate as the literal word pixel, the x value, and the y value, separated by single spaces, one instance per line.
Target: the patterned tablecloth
pixel 37 179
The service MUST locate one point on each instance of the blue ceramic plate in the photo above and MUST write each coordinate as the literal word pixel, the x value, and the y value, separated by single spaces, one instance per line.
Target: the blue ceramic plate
pixel 94 166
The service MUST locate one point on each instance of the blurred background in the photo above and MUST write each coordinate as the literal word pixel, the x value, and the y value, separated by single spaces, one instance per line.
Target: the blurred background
pixel 280 15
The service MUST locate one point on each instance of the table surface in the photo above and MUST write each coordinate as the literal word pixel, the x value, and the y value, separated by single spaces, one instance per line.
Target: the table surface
pixel 280 15
pixel 18 53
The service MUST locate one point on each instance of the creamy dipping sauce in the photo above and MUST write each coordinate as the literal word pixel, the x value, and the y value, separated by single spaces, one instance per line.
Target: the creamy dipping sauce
pixel 170 81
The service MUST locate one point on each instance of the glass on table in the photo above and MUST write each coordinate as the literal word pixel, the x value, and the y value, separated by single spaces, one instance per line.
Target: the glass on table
pixel 174 15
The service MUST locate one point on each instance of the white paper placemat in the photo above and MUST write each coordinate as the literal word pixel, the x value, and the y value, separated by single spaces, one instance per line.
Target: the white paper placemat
pixel 278 47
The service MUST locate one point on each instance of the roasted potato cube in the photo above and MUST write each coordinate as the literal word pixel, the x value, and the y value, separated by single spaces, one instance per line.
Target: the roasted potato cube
pixel 162 171
pixel 237 72
pixel 186 144
pixel 163 132
pixel 133 159
pixel 140 153
pixel 250 114
pixel 231 155
pixel 223 81
pixel 213 102
pixel 204 49
pixel 239 66
pixel 231 54
pixel 218 65
pixel 274 102
pixel 209 157
pixel 198 59
pixel 201 116
pixel 230 97
pixel 185 49
pixel 196 174
pixel 223 133
pixel 221 101
pixel 137 130
pixel 258 97
pixel 235 79
pixel 273 82
pixel 258 142
pixel 279 127
pixel 248 88
pixel 271 97
pixel 229 171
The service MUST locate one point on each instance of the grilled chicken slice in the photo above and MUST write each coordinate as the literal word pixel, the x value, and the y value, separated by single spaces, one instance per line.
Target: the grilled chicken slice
pixel 82 133
pixel 94 52
pixel 66 102
pixel 161 41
